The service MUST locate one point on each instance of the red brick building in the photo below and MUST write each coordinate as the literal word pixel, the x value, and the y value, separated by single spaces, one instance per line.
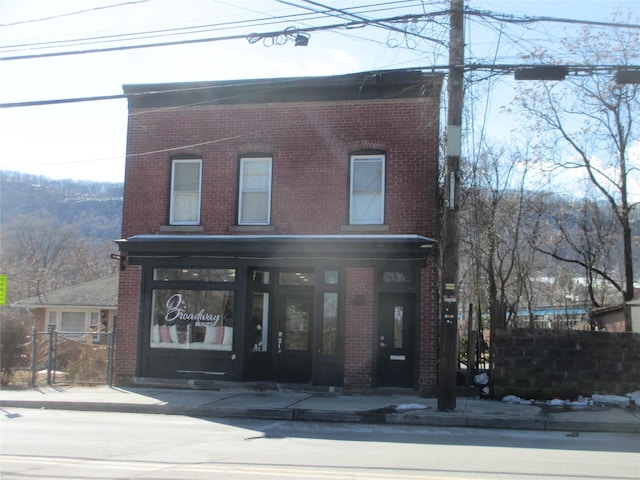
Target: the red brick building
pixel 282 230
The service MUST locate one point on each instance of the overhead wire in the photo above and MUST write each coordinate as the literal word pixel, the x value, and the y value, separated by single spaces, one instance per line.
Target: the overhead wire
pixel 243 36
pixel 269 20
pixel 155 33
pixel 69 14
pixel 375 23
pixel 198 40
pixel 528 19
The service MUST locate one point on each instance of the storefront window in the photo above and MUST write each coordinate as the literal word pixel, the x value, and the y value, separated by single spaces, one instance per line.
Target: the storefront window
pixel 195 274
pixel 330 324
pixel 260 321
pixel 192 319
pixel 297 278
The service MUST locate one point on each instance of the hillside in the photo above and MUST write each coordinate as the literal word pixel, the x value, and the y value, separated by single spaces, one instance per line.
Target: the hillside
pixel 96 207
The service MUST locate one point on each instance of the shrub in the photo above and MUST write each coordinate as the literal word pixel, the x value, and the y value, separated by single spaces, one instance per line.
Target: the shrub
pixel 14 348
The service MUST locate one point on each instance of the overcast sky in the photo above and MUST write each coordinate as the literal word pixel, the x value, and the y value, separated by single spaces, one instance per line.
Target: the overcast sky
pixel 87 140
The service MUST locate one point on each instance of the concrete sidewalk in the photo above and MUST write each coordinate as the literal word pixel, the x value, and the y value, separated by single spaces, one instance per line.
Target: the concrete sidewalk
pixel 324 407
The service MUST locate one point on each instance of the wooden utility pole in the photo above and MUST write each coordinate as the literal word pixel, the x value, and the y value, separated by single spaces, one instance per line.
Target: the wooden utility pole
pixel 448 331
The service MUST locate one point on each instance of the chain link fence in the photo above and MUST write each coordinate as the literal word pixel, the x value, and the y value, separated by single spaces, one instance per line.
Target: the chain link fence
pixel 66 358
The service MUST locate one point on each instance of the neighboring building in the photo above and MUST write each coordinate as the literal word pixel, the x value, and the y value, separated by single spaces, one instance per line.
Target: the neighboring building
pixel 634 314
pixel 90 306
pixel 282 230
pixel 622 317
pixel 556 317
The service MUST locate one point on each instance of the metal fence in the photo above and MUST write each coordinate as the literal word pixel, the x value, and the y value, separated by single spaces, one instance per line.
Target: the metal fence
pixel 81 358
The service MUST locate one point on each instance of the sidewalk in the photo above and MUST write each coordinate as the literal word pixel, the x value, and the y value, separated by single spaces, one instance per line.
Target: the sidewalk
pixel 323 407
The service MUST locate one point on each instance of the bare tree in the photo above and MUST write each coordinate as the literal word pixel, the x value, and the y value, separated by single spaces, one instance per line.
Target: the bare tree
pixel 34 249
pixel 40 255
pixel 588 123
pixel 499 216
pixel 581 234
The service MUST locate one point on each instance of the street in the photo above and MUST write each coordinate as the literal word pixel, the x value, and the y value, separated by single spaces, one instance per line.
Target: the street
pixel 48 444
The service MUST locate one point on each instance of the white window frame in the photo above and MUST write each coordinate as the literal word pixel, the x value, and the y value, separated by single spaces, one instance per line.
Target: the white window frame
pixel 197 194
pixel 54 317
pixel 52 320
pixel 377 158
pixel 242 190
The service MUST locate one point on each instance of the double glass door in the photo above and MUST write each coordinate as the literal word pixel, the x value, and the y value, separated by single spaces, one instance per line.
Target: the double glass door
pixel 296 333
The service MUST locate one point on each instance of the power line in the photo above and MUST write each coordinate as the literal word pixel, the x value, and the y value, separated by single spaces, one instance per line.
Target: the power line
pixel 269 20
pixel 71 13
pixel 37 103
pixel 503 69
pixel 360 18
pixel 361 22
pixel 248 37
pixel 534 19
pixel 156 33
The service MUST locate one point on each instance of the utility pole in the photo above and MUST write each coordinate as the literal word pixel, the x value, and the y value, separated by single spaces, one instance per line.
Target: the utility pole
pixel 448 331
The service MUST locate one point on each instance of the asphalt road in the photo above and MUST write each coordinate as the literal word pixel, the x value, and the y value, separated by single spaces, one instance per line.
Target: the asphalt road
pixel 46 444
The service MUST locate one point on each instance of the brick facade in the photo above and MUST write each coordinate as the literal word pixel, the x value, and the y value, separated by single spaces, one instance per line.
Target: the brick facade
pixel 428 358
pixel 359 330
pixel 127 325
pixel 310 144
pixel 310 134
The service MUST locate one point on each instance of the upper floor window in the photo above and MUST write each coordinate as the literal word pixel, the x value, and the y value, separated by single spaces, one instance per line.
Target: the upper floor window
pixel 254 203
pixel 186 182
pixel 367 189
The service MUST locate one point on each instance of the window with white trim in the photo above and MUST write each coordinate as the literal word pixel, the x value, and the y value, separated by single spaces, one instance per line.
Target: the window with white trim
pixel 186 176
pixel 366 192
pixel 254 202
pixel 53 320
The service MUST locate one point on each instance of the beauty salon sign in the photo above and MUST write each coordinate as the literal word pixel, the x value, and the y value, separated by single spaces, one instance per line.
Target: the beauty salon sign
pixel 177 310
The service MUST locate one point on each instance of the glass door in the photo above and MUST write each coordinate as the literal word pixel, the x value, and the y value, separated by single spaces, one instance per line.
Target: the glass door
pixel 294 327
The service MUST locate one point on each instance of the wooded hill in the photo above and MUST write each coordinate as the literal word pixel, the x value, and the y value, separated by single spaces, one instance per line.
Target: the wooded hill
pixel 95 207
pixel 56 233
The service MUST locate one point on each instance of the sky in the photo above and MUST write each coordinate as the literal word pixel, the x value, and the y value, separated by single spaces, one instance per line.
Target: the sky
pixel 87 140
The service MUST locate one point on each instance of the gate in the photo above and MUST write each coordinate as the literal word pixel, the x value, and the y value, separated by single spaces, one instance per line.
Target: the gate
pixel 79 358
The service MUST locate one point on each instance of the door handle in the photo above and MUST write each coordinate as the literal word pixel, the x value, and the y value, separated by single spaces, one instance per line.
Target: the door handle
pixel 279 344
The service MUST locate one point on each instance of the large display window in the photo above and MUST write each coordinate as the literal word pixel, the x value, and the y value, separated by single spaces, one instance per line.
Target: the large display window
pixel 192 319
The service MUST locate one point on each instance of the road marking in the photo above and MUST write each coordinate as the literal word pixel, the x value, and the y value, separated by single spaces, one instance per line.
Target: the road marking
pixel 246 470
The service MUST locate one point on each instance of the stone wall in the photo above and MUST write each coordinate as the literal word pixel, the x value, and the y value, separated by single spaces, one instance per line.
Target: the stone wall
pixel 542 364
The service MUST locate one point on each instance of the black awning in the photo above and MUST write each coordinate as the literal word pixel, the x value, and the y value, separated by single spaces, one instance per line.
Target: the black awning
pixel 269 246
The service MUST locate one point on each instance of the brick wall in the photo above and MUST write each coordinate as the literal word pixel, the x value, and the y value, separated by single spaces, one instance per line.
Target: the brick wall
pixel 359 330
pixel 428 358
pixel 126 344
pixel 544 363
pixel 310 143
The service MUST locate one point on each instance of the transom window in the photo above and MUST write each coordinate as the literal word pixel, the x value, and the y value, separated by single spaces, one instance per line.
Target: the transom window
pixel 254 203
pixel 367 189
pixel 185 191
pixel 195 274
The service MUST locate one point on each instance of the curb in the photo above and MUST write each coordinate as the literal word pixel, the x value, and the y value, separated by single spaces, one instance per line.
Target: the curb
pixel 311 415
